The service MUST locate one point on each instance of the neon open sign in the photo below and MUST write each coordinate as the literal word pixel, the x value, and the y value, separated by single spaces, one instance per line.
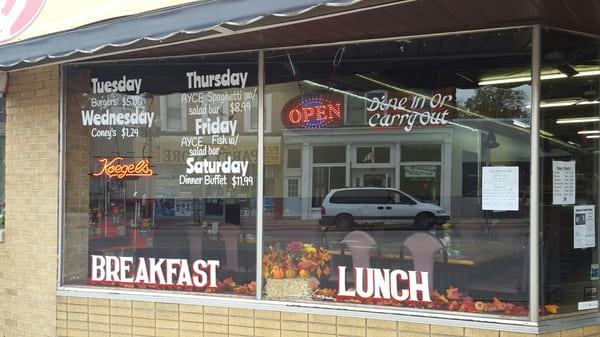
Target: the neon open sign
pixel 313 111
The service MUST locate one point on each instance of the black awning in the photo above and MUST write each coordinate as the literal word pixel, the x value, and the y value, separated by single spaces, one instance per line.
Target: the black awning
pixel 154 27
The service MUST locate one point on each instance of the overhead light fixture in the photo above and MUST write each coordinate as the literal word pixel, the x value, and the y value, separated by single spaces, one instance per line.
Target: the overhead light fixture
pixel 520 79
pixel 588 73
pixel 593 136
pixel 505 80
pixel 490 140
pixel 520 124
pixel 567 70
pixel 578 120
pixel 573 143
pixel 588 102
pixel 588 132
pixel 568 102
pixel 557 103
pixel 547 76
pixel 546 133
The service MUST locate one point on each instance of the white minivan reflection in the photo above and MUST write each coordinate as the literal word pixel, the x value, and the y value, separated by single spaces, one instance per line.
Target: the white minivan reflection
pixel 346 207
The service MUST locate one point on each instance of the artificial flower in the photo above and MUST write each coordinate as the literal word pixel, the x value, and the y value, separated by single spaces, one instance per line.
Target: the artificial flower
pixel 309 248
pixel 294 247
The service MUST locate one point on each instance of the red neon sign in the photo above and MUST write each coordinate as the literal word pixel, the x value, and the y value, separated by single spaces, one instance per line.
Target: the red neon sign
pixel 313 111
pixel 115 168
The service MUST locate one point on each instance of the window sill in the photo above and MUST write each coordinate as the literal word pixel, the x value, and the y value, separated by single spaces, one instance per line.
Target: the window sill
pixel 501 323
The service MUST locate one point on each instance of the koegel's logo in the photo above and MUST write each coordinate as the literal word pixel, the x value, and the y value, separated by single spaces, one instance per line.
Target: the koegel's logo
pixel 16 15
pixel 116 168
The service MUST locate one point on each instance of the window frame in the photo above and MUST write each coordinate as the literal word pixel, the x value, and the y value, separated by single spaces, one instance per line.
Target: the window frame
pixel 164 118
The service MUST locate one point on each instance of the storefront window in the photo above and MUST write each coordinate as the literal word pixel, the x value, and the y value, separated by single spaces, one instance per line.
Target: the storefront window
pixel 160 176
pixel 569 166
pixel 407 174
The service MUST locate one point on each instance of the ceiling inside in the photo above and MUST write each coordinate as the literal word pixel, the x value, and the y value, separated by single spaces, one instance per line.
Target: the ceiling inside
pixel 381 19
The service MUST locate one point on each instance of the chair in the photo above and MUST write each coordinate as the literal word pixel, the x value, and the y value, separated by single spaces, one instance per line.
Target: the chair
pixel 171 243
pixel 361 246
pixel 423 248
pixel 513 280
pixel 230 235
pixel 196 235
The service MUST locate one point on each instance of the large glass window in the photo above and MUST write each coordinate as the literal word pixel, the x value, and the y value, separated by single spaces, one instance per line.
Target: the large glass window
pixel 396 173
pixel 413 186
pixel 569 165
pixel 160 175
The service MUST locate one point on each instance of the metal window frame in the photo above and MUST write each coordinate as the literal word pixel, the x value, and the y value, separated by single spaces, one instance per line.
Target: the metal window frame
pixel 534 176
pixel 531 325
pixel 61 172
pixel 260 174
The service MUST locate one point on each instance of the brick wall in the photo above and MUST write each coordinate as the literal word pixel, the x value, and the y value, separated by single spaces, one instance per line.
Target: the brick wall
pixel 118 318
pixel 28 257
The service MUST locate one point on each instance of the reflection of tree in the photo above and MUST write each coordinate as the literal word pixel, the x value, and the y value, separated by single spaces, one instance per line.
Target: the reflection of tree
pixel 498 102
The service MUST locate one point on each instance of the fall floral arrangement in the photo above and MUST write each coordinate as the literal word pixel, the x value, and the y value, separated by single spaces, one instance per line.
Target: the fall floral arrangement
pixel 297 260
pixel 228 285
pixel 452 300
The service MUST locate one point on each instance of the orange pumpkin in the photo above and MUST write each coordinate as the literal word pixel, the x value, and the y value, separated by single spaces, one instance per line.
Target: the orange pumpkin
pixel 252 287
pixel 277 272
pixel 304 273
pixel 551 308
pixel 290 273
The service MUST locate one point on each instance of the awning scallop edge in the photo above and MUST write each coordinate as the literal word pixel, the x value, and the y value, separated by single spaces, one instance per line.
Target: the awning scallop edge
pixel 155 26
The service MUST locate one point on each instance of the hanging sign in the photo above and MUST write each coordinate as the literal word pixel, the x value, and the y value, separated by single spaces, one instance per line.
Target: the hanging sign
pixel 116 168
pixel 313 111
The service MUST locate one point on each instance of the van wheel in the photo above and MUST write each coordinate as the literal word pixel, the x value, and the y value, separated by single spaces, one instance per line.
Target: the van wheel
pixel 344 221
pixel 425 220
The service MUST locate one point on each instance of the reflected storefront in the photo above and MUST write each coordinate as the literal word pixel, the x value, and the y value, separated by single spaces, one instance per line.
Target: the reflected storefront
pixel 384 172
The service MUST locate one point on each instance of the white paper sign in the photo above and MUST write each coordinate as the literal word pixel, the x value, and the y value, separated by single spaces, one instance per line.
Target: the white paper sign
pixel 584 226
pixel 500 188
pixel 183 207
pixel 587 305
pixel 563 182
pixel 420 171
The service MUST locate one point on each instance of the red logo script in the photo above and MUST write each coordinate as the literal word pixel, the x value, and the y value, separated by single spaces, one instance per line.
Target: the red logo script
pixel 115 168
